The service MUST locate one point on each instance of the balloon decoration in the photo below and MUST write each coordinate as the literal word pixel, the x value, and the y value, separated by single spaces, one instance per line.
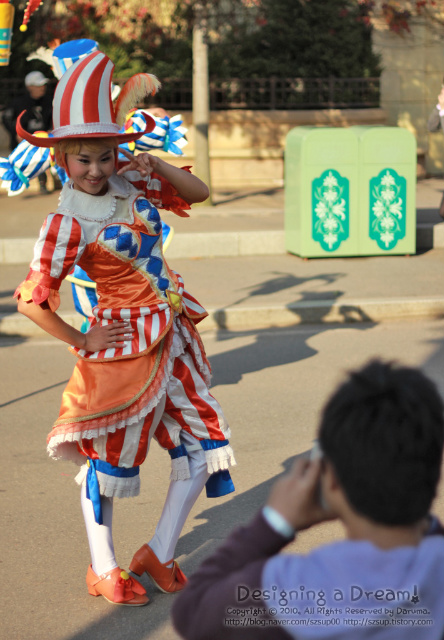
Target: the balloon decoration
pixel 25 163
pixel 6 20
pixel 168 134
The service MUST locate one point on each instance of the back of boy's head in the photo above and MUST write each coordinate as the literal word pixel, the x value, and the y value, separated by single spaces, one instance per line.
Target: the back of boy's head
pixel 383 432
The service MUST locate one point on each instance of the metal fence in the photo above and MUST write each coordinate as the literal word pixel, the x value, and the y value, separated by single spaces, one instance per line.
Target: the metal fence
pixel 294 93
pixel 255 93
pixel 276 93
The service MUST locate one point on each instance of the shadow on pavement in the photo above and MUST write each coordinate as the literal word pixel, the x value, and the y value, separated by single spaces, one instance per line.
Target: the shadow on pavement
pixel 7 340
pixel 434 365
pixel 11 305
pixel 282 281
pixel 33 393
pixel 229 367
pixel 224 197
pixel 233 513
pixel 428 215
pixel 310 306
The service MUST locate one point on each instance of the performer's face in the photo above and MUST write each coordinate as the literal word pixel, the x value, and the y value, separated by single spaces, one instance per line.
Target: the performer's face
pixel 90 170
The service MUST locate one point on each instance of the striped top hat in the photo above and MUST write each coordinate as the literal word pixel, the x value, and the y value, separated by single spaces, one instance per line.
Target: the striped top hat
pixel 82 106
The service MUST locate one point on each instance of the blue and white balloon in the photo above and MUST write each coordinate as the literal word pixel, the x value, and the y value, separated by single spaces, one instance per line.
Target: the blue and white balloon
pixel 168 134
pixel 23 164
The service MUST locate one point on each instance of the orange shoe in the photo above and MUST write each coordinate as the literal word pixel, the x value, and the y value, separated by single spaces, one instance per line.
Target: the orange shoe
pixel 167 579
pixel 117 587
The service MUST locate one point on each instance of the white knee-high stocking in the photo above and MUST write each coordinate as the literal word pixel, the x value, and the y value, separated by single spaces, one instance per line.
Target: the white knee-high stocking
pixel 100 536
pixel 182 494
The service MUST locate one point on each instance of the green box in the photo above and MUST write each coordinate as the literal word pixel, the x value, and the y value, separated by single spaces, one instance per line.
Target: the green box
pixel 321 167
pixel 350 191
pixel 387 188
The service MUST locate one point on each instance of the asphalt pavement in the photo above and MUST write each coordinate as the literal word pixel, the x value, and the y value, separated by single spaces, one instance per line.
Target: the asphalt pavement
pixel 271 384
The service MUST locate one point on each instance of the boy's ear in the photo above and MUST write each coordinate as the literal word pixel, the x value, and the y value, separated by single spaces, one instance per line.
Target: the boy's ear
pixel 332 492
pixel 330 477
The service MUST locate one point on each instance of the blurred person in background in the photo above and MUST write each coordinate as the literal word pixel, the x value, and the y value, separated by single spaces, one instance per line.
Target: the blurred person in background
pixel 37 102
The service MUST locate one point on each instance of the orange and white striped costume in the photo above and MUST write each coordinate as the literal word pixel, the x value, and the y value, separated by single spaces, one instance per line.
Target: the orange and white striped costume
pixel 157 384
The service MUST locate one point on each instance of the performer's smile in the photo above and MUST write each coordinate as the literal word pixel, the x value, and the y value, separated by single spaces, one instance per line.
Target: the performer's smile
pixel 90 170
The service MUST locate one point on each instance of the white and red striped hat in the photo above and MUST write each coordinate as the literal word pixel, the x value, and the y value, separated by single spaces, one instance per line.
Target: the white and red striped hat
pixel 82 106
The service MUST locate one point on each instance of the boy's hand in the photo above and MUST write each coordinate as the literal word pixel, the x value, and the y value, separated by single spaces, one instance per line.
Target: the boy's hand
pixel 296 495
pixel 441 98
pixel 144 163
pixel 110 336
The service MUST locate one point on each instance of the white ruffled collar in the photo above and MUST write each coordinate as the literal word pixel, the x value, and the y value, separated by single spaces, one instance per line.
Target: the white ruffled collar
pixel 94 208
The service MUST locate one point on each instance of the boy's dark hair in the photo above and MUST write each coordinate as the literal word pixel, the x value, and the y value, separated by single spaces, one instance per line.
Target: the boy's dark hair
pixel 383 432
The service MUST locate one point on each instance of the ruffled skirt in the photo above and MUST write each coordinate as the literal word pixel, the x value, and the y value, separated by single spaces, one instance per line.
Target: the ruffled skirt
pixel 104 400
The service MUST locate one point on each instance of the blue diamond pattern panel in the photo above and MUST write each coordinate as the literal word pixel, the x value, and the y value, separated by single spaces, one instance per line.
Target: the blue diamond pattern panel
pixel 151 264
pixel 149 214
pixel 121 240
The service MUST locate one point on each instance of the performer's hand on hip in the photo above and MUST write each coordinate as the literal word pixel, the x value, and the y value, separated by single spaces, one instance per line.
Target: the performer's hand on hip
pixel 110 336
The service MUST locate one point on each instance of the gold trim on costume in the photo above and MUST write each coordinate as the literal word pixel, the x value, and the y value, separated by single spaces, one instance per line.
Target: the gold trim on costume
pixel 175 300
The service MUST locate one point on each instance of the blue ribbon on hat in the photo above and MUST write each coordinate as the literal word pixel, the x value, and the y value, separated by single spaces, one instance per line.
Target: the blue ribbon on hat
pixel 92 482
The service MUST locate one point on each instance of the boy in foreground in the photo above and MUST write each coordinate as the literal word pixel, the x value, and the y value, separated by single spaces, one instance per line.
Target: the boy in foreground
pixel 380 452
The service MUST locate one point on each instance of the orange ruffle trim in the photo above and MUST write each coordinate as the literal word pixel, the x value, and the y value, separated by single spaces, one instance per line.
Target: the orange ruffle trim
pixel 30 291
pixel 171 199
pixel 168 195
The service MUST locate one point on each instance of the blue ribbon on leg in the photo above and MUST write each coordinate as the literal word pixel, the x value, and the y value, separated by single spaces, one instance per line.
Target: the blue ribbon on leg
pixel 219 484
pixel 93 490
pixel 92 482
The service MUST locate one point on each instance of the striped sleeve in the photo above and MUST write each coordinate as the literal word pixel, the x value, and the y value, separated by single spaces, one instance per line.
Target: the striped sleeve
pixel 59 247
pixel 159 191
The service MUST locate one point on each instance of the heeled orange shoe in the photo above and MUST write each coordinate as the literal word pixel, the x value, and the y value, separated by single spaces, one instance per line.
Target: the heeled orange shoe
pixel 167 579
pixel 117 587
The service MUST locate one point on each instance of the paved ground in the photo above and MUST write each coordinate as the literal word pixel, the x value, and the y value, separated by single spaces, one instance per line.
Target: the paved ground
pixel 272 385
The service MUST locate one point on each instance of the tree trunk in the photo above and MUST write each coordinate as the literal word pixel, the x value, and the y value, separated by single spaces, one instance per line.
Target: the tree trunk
pixel 201 106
